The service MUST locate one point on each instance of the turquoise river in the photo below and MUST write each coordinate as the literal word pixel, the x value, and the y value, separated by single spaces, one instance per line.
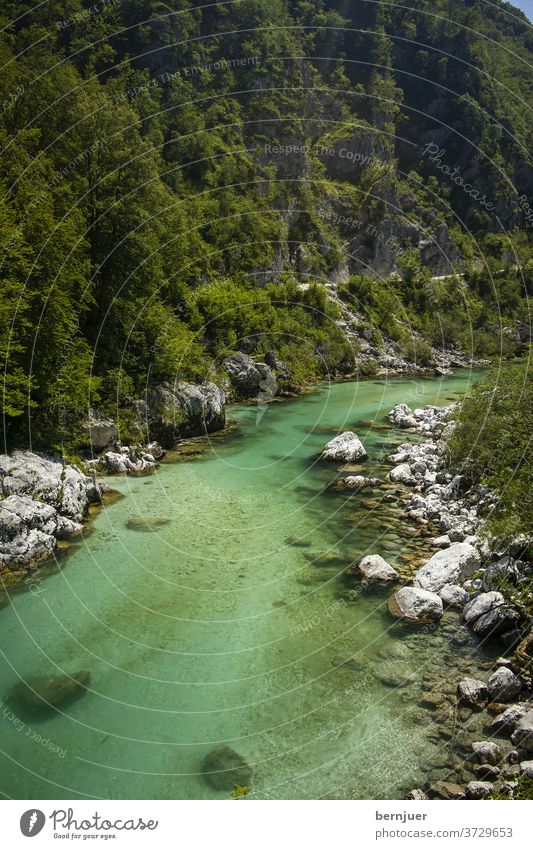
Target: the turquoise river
pixel 215 628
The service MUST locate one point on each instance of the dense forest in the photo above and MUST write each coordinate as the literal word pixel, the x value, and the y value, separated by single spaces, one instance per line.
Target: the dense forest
pixel 180 181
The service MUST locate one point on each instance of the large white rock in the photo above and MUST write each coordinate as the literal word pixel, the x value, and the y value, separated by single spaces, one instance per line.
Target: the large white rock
pixel 346 448
pixel 373 567
pixel 415 605
pixel 401 474
pixel 450 566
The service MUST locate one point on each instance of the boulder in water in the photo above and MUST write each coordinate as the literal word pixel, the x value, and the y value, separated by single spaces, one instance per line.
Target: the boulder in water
pixel 344 448
pixel 146 523
pixel 373 567
pixel 223 768
pixel 415 605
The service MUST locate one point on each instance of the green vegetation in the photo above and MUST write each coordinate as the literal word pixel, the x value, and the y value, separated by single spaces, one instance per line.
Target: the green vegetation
pixel 147 229
pixel 492 446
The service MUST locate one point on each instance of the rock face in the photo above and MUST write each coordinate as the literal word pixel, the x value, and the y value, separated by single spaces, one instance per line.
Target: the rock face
pixel 415 605
pixel 40 693
pixel 249 379
pixel 523 733
pixel 473 692
pixel 504 685
pixel 488 615
pixel 375 568
pixel 449 566
pixel 345 448
pixel 44 500
pixel 171 412
pixel 101 431
pixel 223 769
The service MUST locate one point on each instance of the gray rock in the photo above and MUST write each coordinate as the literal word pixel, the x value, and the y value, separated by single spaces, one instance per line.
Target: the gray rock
pixel 449 566
pixel 526 768
pixel 100 431
pixel 506 721
pixel 442 541
pixel 447 790
pixel 415 605
pixel 473 692
pixel 417 795
pixel 401 474
pixel 487 752
pixel 373 567
pixel 223 768
pixel 453 595
pixel 486 771
pixel 523 733
pixel 45 500
pixel 249 379
pixel 488 615
pixel 171 412
pixel 503 685
pixel 478 789
pixel 58 484
pixel 129 460
pixel 356 482
pixel 345 448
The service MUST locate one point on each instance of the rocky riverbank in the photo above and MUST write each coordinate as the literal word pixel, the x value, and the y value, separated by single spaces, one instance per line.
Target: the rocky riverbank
pixel 43 502
pixel 467 574
pixel 463 602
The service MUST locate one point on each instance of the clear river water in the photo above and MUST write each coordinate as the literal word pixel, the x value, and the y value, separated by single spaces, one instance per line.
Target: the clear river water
pixel 215 628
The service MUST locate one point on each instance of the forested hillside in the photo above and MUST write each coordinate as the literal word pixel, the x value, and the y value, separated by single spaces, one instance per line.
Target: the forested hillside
pixel 181 181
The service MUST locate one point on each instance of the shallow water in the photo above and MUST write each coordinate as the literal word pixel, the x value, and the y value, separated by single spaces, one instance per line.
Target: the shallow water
pixel 212 629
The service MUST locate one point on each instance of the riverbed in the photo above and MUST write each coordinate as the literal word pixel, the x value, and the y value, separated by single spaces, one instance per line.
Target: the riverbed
pixel 216 628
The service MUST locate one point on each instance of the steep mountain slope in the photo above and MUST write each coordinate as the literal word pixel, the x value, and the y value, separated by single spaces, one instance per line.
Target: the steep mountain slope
pixel 181 180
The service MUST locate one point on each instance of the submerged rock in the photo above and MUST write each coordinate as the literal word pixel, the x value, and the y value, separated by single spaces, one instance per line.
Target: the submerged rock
pixel 447 790
pixel 415 605
pixel 355 482
pixel 373 567
pixel 346 448
pixel 37 693
pixel 223 768
pixel 146 523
